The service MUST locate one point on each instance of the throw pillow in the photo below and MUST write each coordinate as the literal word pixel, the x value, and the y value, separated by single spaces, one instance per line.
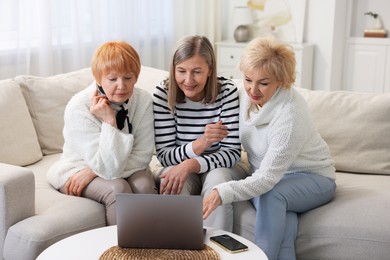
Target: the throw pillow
pixel 356 127
pixel 47 98
pixel 19 141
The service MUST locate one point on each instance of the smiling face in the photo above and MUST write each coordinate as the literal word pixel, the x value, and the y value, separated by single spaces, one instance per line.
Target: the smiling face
pixel 191 76
pixel 118 87
pixel 259 85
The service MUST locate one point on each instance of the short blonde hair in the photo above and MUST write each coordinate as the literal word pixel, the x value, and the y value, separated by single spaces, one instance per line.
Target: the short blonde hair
pixel 269 54
pixel 187 47
pixel 115 55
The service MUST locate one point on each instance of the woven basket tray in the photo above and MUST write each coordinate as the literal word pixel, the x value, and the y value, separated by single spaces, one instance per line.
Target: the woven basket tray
pixel 119 253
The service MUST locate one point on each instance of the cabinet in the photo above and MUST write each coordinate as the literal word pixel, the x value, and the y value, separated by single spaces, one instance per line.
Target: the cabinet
pixel 367 65
pixel 229 53
pixel 366 59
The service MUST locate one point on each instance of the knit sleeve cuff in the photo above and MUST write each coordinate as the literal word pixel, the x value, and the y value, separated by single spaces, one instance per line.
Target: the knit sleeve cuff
pixel 225 192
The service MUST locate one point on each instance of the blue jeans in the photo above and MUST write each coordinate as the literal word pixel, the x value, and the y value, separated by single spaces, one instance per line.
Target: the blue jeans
pixel 276 211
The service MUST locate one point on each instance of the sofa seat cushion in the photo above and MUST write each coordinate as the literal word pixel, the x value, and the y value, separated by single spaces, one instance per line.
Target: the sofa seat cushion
pixel 357 219
pixel 57 217
pixel 356 127
pixel 46 98
pixel 18 139
pixel 244 219
pixel 354 223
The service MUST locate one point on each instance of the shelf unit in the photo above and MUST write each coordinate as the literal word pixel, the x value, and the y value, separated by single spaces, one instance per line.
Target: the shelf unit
pixel 366 60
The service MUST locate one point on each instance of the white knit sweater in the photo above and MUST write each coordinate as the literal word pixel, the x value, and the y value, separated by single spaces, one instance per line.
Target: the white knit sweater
pixel 280 138
pixel 109 152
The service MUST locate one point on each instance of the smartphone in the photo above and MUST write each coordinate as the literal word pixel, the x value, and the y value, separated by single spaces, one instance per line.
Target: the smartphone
pixel 229 243
pixel 100 89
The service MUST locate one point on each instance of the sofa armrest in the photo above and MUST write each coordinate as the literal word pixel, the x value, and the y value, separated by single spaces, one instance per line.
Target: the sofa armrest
pixel 17 197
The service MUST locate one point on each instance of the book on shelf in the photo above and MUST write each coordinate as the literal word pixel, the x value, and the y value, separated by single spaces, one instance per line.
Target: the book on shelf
pixel 380 33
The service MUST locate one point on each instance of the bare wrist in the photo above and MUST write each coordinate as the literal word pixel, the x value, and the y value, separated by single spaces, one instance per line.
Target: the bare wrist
pixel 111 122
pixel 200 145
pixel 191 165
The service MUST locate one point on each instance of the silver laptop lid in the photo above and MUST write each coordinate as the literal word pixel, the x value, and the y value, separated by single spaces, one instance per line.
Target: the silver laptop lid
pixel 159 221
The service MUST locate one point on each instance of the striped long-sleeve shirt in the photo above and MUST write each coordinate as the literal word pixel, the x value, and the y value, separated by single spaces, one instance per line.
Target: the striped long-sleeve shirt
pixel 175 132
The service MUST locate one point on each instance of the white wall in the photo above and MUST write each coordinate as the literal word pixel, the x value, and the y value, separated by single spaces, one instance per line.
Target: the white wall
pixel 319 31
pixel 227 20
pixel 328 24
pixel 326 28
pixel 321 28
pixel 293 5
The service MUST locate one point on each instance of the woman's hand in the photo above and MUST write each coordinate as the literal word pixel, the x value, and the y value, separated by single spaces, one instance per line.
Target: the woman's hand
pixel 76 184
pixel 211 202
pixel 175 177
pixel 213 133
pixel 100 107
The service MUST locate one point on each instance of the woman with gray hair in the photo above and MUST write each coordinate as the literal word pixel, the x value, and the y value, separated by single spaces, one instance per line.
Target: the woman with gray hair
pixel 196 126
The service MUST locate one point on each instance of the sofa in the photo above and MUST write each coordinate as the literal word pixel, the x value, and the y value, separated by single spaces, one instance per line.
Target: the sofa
pixel 33 215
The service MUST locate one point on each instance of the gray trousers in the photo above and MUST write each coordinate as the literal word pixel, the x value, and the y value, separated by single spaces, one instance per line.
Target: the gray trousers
pixel 202 184
pixel 104 191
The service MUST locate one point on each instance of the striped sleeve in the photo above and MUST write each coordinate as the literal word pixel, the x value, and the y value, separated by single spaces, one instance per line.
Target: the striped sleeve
pixel 175 132
pixel 229 149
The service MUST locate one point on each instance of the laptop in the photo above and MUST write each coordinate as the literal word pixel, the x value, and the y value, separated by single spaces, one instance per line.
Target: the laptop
pixel 159 221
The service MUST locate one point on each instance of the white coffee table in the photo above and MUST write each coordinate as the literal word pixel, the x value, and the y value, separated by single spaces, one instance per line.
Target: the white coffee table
pixel 92 244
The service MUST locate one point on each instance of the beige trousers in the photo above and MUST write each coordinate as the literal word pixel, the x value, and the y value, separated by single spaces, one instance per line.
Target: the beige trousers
pixel 104 191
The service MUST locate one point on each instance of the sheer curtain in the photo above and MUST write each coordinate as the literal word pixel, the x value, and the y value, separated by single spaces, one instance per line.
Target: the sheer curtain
pixel 46 37
pixel 201 17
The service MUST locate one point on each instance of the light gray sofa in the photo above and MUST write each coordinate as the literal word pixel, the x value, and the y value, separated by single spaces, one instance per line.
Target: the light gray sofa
pixel 33 215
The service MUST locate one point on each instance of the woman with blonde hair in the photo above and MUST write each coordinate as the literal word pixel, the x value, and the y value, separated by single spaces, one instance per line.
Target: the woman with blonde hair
pixel 291 169
pixel 108 133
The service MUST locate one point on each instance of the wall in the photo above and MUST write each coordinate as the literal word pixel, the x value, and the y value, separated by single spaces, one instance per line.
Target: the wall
pixel 327 26
pixel 297 7
pixel 322 28
pixel 227 9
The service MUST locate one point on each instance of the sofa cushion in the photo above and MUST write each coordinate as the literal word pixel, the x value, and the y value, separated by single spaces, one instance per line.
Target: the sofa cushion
pixel 19 141
pixel 356 127
pixel 354 223
pixel 57 216
pixel 149 78
pixel 244 215
pixel 46 99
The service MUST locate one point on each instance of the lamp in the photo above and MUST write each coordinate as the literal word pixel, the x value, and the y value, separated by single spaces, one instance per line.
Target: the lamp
pixel 242 17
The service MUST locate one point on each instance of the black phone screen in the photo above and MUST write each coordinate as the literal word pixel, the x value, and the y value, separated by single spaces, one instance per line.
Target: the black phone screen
pixel 229 243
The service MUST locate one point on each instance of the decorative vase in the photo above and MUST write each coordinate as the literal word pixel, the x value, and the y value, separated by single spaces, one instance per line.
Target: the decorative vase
pixel 241 34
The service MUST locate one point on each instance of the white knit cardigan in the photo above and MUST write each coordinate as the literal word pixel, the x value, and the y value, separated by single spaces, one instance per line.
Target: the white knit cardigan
pixel 109 152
